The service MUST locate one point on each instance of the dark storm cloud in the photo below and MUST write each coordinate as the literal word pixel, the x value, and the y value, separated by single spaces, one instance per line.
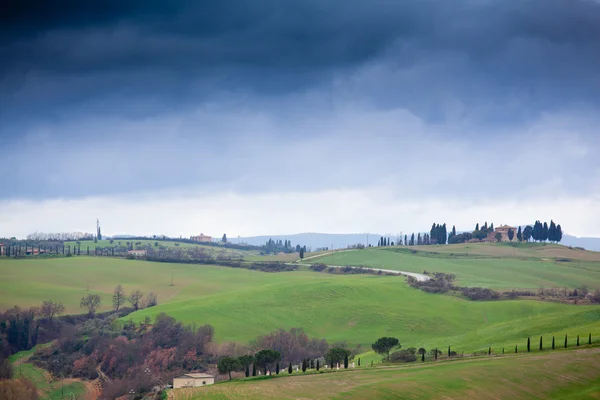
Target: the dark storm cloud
pixel 67 51
pixel 117 95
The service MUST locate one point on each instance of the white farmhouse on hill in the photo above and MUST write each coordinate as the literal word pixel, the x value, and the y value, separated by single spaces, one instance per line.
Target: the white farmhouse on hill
pixel 193 380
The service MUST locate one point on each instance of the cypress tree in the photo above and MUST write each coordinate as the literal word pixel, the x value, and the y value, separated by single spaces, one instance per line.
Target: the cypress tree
pixel 516 349
pixel 303 365
pixel 503 351
pixel 448 351
pixel 290 368
pixel 359 361
pixel 565 341
pixel 312 364
pixel 277 369
pixel 558 233
pixel 552 342
pixel 319 365
pixel 423 357
pixel 590 339
pixel 436 351
pixel 247 371
pixel 253 369
pixel 541 345
pixel 346 362
pixel 519 234
pixel 490 351
pixel 528 345
pixel 577 340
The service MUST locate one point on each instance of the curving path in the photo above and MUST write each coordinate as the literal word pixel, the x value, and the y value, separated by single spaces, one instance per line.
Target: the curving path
pixel 418 277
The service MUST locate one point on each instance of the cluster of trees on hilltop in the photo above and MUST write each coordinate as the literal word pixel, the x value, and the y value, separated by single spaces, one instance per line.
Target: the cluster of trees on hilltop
pixel 279 246
pixel 544 232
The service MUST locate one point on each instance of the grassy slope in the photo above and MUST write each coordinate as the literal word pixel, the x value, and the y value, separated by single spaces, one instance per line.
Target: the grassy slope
pixel 552 375
pixel 478 270
pixel 242 304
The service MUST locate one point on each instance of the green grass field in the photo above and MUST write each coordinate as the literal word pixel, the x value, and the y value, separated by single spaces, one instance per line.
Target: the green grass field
pixel 562 375
pixel 481 266
pixel 242 304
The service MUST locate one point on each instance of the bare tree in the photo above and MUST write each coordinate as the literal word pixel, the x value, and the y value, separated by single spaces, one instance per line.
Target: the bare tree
pixel 51 309
pixel 119 297
pixel 135 299
pixel 91 302
pixel 151 299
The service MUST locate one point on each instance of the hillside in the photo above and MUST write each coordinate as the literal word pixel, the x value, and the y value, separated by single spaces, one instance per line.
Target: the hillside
pixel 553 375
pixel 499 266
pixel 242 304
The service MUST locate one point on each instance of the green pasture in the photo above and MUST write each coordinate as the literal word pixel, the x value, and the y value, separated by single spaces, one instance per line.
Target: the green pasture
pixel 242 304
pixel 475 269
pixel 552 375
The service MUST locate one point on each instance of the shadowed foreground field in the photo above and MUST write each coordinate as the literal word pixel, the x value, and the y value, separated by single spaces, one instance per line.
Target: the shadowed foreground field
pixel 559 375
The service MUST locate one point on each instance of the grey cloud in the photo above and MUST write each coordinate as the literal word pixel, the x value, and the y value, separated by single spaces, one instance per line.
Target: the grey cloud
pixel 187 51
pixel 430 98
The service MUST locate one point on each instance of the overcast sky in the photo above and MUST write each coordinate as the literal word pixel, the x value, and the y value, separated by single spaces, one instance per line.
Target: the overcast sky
pixel 278 117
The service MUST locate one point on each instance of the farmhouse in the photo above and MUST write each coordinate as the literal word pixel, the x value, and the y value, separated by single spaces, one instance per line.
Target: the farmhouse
pixel 502 230
pixel 137 253
pixel 202 238
pixel 193 380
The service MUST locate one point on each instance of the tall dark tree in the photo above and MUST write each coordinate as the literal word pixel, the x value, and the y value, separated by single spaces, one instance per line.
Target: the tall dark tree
pixel 519 234
pixel 558 234
pixel 577 340
pixel 224 238
pixel 552 342
pixel 302 253
pixel 590 338
pixel 527 233
pixel 541 344
pixel 477 227
pixel 511 234
pixel 528 345
pixel 303 365
pixel 536 233
pixel 406 240
pixel 419 240
pixel 346 362
pixel 412 240
pixel 545 232
pixel 277 369
pixel 253 369
pixel 290 368
pixel 566 343
pixel 318 366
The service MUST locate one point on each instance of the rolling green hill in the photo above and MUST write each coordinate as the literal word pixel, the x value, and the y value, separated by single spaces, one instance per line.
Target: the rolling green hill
pixel 242 304
pixel 485 265
pixel 553 375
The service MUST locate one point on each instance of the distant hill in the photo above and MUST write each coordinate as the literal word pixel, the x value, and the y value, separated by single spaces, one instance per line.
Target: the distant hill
pixel 339 240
